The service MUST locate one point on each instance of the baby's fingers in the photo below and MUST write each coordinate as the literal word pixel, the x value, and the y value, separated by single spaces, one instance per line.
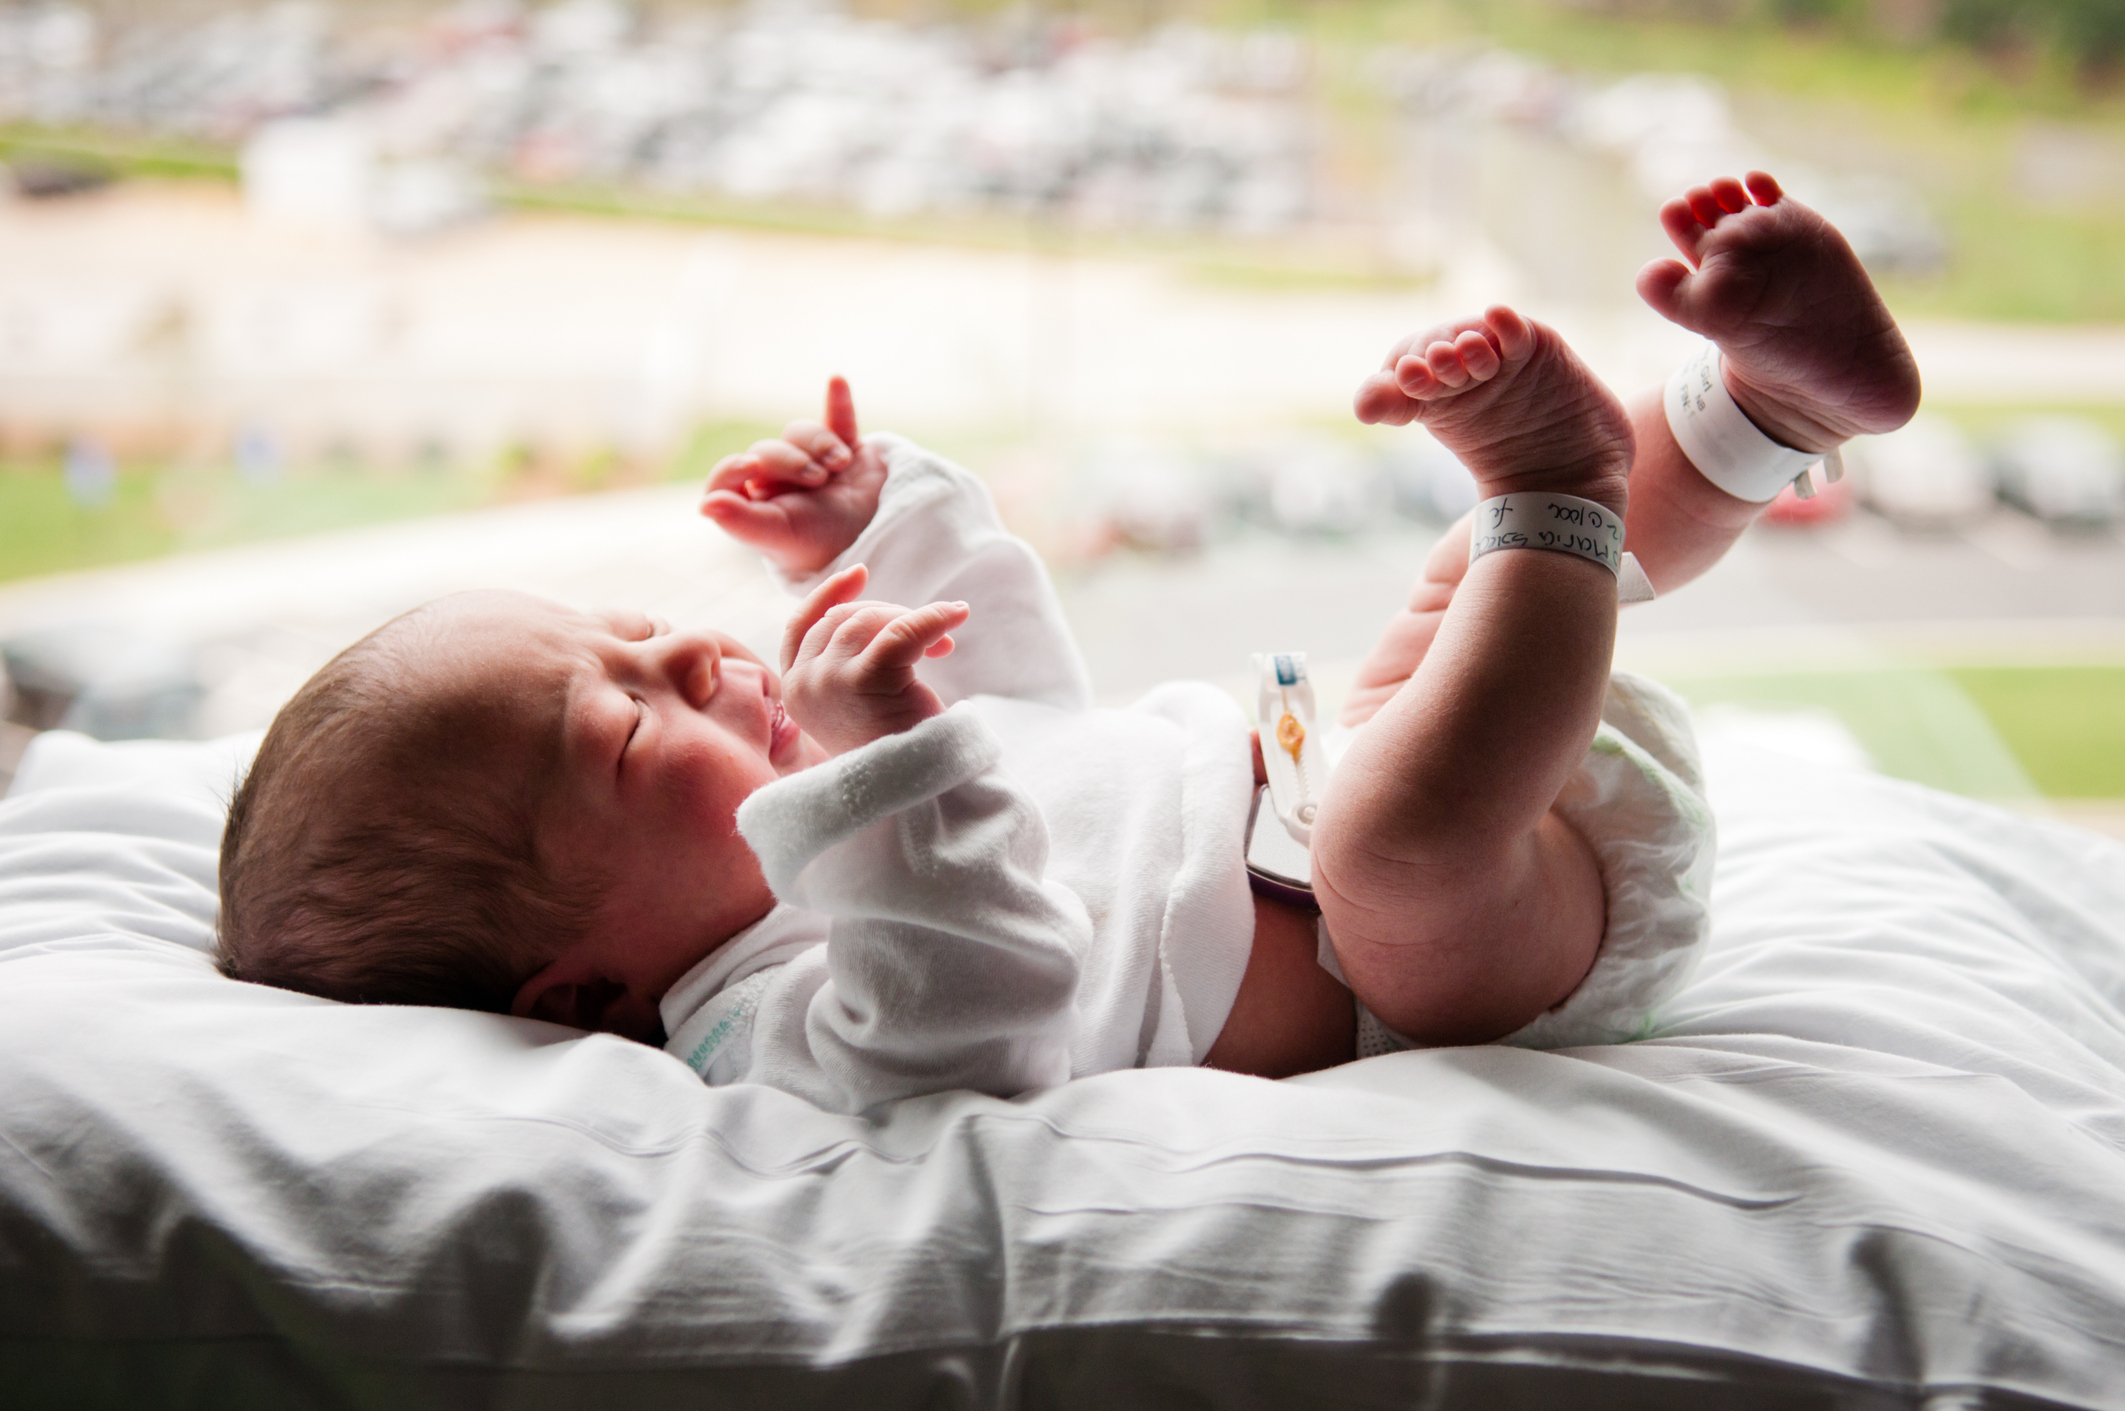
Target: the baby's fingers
pixel 841 407
pixel 763 468
pixel 841 588
pixel 730 474
pixel 914 635
pixel 817 442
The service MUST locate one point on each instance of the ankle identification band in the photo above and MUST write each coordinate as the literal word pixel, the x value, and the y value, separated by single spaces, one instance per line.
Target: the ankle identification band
pixel 1566 524
pixel 1725 446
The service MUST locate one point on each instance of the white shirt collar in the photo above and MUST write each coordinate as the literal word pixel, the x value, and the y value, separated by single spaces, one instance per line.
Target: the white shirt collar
pixel 776 937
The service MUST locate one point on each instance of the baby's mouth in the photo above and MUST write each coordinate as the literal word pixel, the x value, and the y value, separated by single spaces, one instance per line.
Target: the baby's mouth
pixel 780 730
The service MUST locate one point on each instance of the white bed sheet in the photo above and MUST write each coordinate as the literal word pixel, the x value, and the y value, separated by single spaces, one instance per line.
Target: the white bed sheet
pixel 1876 1158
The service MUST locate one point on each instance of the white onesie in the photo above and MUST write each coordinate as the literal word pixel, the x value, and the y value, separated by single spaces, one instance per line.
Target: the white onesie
pixel 1027 888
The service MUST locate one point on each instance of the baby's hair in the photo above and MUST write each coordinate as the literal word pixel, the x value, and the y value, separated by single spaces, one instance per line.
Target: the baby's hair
pixel 383 847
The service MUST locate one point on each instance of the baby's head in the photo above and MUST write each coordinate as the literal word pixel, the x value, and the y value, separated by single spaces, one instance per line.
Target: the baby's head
pixel 496 803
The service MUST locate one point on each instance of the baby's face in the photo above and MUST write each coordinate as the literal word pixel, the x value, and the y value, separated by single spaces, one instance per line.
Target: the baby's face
pixel 662 735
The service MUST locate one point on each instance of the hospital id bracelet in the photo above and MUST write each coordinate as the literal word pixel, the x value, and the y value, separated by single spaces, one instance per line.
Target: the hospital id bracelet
pixel 1726 447
pixel 1567 524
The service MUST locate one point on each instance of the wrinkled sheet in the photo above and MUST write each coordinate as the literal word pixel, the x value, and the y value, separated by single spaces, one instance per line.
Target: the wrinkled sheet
pixel 1876 1157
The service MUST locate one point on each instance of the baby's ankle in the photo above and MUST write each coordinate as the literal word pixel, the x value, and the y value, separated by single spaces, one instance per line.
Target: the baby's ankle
pixel 1776 421
pixel 1603 478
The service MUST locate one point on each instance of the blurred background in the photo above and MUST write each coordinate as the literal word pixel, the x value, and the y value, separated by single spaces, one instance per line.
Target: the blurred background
pixel 312 311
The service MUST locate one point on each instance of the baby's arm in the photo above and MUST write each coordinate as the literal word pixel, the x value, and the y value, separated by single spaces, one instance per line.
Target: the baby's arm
pixel 937 537
pixel 951 960
pixel 803 499
pixel 927 531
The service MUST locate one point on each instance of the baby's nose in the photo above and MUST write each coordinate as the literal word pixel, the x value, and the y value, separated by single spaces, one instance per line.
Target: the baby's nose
pixel 689 660
pixel 758 674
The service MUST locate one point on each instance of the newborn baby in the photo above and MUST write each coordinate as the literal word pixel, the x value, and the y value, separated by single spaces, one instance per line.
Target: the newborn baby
pixel 920 860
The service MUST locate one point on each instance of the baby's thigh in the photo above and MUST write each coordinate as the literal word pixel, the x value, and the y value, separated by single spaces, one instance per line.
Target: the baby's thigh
pixel 1459 949
pixel 1290 1016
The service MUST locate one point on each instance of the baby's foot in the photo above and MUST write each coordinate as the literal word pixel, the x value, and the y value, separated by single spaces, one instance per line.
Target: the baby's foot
pixel 1523 413
pixel 1512 401
pixel 1811 353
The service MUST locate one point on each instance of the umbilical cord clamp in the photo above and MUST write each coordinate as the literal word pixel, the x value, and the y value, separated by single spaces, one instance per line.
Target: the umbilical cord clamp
pixel 1292 756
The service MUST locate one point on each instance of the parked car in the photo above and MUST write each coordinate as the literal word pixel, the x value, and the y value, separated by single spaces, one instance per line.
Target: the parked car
pixel 1152 497
pixel 2063 469
pixel 1316 485
pixel 1831 502
pixel 1429 481
pixel 1928 475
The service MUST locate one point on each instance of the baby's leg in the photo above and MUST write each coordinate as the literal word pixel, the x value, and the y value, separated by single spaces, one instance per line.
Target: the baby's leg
pixel 1810 352
pixel 1394 658
pixel 1460 906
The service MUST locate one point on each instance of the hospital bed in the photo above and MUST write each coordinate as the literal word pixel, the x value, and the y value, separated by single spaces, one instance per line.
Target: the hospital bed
pixel 1873 1158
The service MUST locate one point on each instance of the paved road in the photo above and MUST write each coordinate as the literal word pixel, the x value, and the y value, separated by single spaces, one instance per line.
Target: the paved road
pixel 265 616
pixel 2004 590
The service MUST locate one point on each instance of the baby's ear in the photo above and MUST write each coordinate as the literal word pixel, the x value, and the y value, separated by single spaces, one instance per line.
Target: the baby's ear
pixel 573 990
pixel 576 1005
pixel 568 992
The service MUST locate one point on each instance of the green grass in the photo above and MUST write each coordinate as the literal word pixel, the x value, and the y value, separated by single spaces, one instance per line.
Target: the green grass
pixel 1916 724
pixel 124 154
pixel 1988 732
pixel 42 531
pixel 1841 97
pixel 158 509
pixel 1985 419
pixel 2015 261
pixel 2066 724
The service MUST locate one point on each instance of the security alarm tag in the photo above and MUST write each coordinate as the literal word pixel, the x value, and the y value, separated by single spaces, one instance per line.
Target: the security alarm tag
pixel 1291 746
pixel 1833 470
pixel 1278 865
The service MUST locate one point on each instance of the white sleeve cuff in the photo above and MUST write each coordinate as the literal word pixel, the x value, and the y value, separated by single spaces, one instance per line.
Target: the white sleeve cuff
pixel 914 479
pixel 792 821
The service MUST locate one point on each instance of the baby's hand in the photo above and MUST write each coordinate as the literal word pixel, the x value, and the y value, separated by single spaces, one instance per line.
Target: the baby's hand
pixel 803 499
pixel 848 668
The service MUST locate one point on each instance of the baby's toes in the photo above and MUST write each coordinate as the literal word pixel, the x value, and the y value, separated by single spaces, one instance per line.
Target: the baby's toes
pixel 1415 378
pixel 1679 219
pixel 1380 400
pixel 1444 360
pixel 1706 206
pixel 1511 335
pixel 1729 194
pixel 1478 356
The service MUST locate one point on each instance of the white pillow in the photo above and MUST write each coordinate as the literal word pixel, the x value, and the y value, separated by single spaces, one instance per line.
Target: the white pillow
pixel 1880 1160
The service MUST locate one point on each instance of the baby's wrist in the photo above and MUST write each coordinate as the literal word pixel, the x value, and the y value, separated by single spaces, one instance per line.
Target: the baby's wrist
pixel 811 560
pixel 842 732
